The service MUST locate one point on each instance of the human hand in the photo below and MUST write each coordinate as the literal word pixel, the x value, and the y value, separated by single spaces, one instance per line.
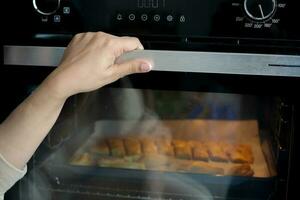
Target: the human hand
pixel 89 63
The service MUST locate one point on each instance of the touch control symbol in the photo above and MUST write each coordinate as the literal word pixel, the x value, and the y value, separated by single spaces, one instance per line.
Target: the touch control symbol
pixel 144 17
pixel 44 18
pixel 119 17
pixel 182 19
pixel 131 17
pixel 156 18
pixel 170 18
pixel 56 18
pixel 66 10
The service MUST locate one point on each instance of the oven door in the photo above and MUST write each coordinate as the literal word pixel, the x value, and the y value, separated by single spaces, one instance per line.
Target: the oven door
pixel 200 126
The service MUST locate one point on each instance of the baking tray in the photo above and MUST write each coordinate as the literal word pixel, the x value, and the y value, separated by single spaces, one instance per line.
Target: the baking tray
pixel 229 131
pixel 139 184
pixel 169 185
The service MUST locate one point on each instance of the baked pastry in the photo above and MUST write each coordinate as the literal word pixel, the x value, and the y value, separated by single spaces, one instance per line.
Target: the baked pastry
pixel 179 143
pixel 241 170
pixel 183 152
pixel 194 167
pixel 120 163
pixel 100 148
pixel 84 159
pixel 156 162
pixel 205 168
pixel 148 146
pixel 182 149
pixel 240 153
pixel 216 151
pixel 165 147
pixel 179 165
pixel 116 147
pixel 132 147
pixel 199 150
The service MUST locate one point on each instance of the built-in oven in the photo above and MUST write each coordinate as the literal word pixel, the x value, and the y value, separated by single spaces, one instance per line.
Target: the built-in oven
pixel 215 119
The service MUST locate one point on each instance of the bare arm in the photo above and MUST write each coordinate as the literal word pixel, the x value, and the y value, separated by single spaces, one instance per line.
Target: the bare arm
pixel 88 64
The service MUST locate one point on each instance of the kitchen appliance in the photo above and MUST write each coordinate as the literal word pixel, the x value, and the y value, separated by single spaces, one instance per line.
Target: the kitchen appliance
pixel 216 119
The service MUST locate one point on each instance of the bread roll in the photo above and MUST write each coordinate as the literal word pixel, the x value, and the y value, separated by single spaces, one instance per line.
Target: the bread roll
pixel 132 146
pixel 120 163
pixel 199 151
pixel 205 168
pixel 84 159
pixel 165 147
pixel 116 147
pixel 148 146
pixel 217 152
pixel 180 165
pixel 240 153
pixel 179 143
pixel 183 152
pixel 182 149
pixel 100 148
pixel 241 170
pixel 156 162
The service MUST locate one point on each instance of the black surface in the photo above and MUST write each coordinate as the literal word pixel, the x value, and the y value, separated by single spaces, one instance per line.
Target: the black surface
pixel 210 25
pixel 16 84
pixel 293 182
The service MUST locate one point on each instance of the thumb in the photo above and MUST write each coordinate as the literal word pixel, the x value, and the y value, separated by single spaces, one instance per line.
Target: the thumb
pixel 131 67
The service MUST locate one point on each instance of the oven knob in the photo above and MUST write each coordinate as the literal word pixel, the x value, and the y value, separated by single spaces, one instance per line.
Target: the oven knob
pixel 46 7
pixel 260 10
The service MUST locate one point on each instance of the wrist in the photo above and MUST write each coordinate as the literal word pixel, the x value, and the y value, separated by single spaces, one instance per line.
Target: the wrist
pixel 54 89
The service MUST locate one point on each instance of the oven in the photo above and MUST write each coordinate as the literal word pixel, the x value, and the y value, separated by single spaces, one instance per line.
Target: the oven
pixel 217 118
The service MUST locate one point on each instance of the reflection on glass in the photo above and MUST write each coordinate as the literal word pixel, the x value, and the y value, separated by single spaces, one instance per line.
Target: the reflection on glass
pixel 164 144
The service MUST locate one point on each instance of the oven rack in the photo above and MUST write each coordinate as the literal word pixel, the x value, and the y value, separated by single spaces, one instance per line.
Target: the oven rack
pixel 135 183
pixel 114 193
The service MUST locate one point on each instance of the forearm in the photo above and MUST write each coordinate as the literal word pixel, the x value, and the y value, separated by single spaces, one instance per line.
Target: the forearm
pixel 88 64
pixel 26 127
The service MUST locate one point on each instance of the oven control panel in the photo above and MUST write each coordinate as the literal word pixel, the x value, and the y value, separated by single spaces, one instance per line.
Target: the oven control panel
pixel 254 19
pixel 46 7
pixel 259 10
pixel 53 12
pixel 258 14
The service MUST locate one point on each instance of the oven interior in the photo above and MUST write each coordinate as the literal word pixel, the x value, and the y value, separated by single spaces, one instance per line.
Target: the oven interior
pixel 140 143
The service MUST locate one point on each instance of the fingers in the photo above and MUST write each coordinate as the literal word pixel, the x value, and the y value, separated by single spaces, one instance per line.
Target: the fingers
pixel 126 44
pixel 130 67
pixel 114 44
pixel 77 38
pixel 131 43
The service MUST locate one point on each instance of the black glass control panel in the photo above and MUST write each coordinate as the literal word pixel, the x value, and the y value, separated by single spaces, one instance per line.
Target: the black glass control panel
pixel 263 20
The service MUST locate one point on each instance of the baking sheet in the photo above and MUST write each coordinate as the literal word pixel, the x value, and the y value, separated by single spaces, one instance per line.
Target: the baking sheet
pixel 238 131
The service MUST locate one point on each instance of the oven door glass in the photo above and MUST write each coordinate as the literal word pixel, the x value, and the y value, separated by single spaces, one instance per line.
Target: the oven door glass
pixel 163 135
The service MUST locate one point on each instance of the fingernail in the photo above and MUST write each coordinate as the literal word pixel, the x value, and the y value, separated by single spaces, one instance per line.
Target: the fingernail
pixel 140 47
pixel 145 67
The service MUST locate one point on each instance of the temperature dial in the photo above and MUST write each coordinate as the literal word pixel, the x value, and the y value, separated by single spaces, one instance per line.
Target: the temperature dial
pixel 260 10
pixel 46 7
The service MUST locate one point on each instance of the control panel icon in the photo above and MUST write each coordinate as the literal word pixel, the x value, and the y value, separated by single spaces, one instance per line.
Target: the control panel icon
pixel 170 18
pixel 156 17
pixel 144 17
pixel 57 18
pixel 131 17
pixel 66 10
pixel 119 17
pixel 182 19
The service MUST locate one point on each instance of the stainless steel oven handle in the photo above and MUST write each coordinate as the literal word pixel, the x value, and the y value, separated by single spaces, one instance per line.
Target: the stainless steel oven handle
pixel 32 55
pixel 173 61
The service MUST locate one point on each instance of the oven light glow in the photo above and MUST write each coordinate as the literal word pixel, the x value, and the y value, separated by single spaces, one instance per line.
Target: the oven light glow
pixel 151 3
